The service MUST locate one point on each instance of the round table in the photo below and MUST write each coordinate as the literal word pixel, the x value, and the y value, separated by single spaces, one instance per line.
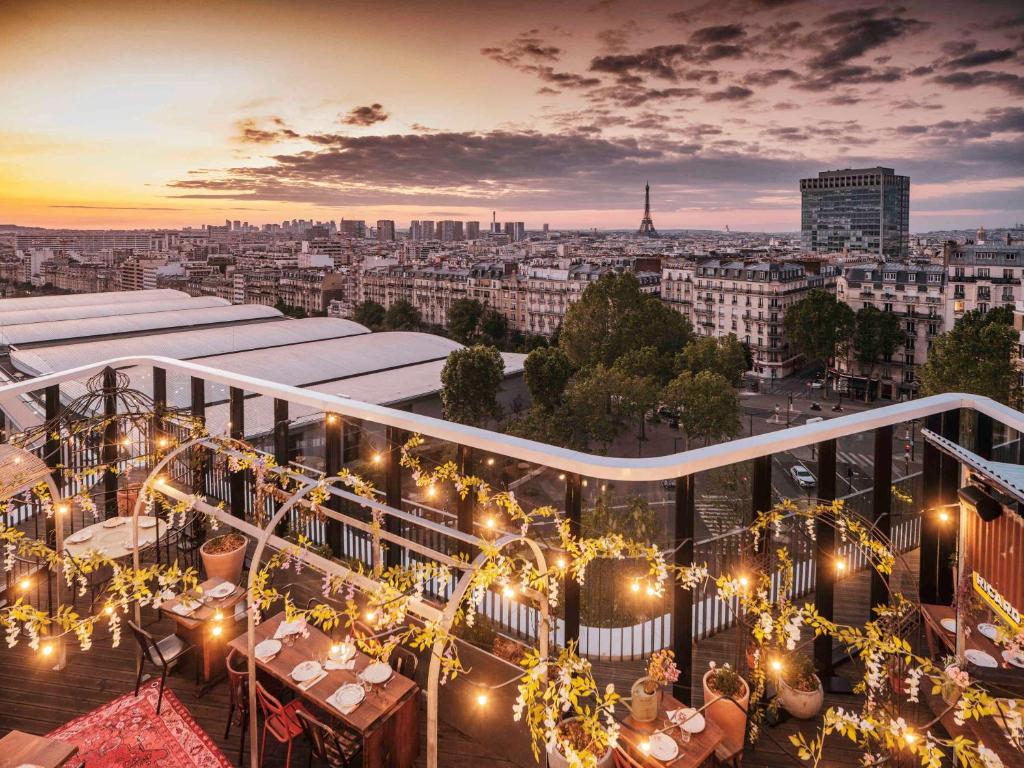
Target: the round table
pixel 114 542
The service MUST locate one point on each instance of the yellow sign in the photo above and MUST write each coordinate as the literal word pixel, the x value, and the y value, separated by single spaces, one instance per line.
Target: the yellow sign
pixel 997 602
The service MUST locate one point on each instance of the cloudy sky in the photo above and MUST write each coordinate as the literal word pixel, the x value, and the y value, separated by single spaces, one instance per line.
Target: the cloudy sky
pixel 164 114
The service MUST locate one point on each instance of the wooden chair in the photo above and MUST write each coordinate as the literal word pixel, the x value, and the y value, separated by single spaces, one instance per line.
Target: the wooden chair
pixel 238 701
pixel 163 654
pixel 405 662
pixel 335 748
pixel 280 720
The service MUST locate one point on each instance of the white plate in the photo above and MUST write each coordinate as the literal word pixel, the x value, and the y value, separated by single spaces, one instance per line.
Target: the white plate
pixel 147 522
pixel 664 747
pixel 348 695
pixel 980 658
pixel 222 590
pixel 988 630
pixel 306 670
pixel 1015 660
pixel 113 522
pixel 78 538
pixel 376 673
pixel 695 724
pixel 286 628
pixel 949 625
pixel 267 648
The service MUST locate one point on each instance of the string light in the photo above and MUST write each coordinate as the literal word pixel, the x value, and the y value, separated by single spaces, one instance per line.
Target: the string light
pixel 216 629
pixel 25 583
pixel 126 442
pixel 561 563
pixel 62 509
pixel 635 586
pixel 489 522
pixel 161 480
pixel 370 615
pixel 481 699
pixel 490 462
pixel 776 665
pixel 47 649
pixel 840 565
pixel 162 442
pixel 331 419
pixel 431 491
pixel 744 582
pixel 562 476
pixel 376 458
pixel 109 610
pixel 910 737
pixel 943 516
pixel 645 746
pixel 218 616
pixel 508 592
pixel 650 591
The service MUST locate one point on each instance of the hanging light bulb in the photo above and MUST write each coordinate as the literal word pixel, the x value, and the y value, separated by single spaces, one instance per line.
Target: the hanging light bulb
pixel 635 586
pixel 481 699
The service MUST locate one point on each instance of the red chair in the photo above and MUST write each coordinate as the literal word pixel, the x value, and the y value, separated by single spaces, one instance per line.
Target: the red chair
pixel 281 720
pixel 238 702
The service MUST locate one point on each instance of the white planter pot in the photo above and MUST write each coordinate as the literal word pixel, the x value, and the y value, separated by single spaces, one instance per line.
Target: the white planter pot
pixel 801 704
pixel 557 760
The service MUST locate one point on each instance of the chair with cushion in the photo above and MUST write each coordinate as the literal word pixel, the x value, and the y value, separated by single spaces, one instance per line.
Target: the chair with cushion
pixel 238 697
pixel 280 720
pixel 332 747
pixel 163 654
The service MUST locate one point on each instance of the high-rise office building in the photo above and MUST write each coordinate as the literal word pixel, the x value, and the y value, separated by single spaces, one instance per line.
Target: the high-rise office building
pixel 352 228
pixel 516 230
pixel 472 230
pixel 385 230
pixel 449 230
pixel 864 210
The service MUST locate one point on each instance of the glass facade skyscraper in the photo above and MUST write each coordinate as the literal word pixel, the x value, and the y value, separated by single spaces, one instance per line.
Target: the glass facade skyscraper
pixel 864 210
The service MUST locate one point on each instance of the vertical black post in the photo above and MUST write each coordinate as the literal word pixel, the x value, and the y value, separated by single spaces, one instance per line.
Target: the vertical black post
pixel 351 440
pixel 281 447
pixel 881 498
pixel 573 515
pixel 333 462
pixel 682 598
pixel 110 443
pixel 52 449
pixel 464 508
pixel 983 436
pixel 949 482
pixel 761 494
pixel 931 461
pixel 825 561
pixel 198 408
pixel 156 429
pixel 236 430
pixel 393 491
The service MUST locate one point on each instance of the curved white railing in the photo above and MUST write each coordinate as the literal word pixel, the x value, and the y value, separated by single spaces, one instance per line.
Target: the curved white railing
pixel 587 465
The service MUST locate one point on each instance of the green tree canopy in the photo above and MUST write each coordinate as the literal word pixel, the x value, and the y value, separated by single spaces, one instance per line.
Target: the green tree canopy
pixel 369 313
pixel 708 405
pixel 464 318
pixel 726 356
pixel 819 326
pixel 646 362
pixel 494 327
pixel 403 316
pixel 614 316
pixel 876 335
pixel 978 355
pixel 470 382
pixel 547 371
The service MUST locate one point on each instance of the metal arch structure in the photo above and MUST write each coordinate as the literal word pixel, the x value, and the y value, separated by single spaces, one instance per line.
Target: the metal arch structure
pixel 445 618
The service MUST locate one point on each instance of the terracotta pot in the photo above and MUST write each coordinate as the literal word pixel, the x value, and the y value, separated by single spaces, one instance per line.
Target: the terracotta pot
pixel 557 760
pixel 126 498
pixel 801 704
pixel 644 706
pixel 226 565
pixel 730 716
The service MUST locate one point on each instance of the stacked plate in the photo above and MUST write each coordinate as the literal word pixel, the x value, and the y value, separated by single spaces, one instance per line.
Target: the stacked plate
pixel 113 522
pixel 306 670
pixel 78 538
pixel 267 649
pixel 376 673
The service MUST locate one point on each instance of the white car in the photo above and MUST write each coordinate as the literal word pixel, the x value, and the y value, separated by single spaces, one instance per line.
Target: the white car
pixel 817 384
pixel 802 476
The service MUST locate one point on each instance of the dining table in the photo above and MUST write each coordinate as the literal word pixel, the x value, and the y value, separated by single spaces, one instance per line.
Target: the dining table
pixel 113 537
pixel 18 748
pixel 387 718
pixel 195 620
pixel 698 750
pixel 940 628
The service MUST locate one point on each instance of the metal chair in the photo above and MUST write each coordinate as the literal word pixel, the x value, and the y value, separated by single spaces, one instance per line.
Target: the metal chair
pixel 405 662
pixel 163 654
pixel 281 720
pixel 238 698
pixel 335 748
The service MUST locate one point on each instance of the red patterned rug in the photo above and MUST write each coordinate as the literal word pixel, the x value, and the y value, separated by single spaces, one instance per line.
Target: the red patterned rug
pixel 128 733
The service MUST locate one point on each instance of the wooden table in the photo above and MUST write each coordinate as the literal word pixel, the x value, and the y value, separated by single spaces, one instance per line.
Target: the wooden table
pixel 699 750
pixel 113 542
pixel 195 628
pixel 387 719
pixel 939 636
pixel 18 747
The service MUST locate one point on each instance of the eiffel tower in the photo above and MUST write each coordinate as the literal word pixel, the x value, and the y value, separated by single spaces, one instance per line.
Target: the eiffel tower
pixel 647 224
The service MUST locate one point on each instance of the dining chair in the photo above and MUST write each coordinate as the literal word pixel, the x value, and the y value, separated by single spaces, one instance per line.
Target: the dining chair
pixel 405 662
pixel 238 697
pixel 280 720
pixel 333 747
pixel 163 654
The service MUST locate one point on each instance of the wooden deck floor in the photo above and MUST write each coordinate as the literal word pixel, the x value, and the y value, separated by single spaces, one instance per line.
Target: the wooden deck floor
pixel 36 699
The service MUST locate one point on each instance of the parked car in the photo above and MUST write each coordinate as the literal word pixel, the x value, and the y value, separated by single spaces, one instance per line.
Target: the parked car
pixel 802 476
pixel 817 384
pixel 668 483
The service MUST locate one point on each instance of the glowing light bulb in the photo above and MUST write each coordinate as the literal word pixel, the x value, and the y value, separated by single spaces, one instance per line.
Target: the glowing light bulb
pixel 561 562
pixel 840 565
pixel 218 616
pixel 370 615
pixel 332 419
pixel 508 592
pixel 377 458
pixel 47 649
pixel 109 610
pixel 489 522
pixel 744 581
pixel 335 649
pixel 25 583
pixel 645 746
pixel 126 442
pixel 943 517
pixel 62 509
pixel 216 629
pixel 650 591
pixel 776 665
pixel 490 462
pixel 562 476
pixel 635 586
pixel 17 459
pixel 431 491
pixel 161 442
pixel 910 737
pixel 161 480
pixel 481 699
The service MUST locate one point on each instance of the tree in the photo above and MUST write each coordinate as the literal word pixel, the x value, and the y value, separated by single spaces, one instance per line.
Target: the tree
pixel 494 327
pixel 646 362
pixel 369 313
pixel 470 381
pixel 547 371
pixel 464 318
pixel 403 316
pixel 978 355
pixel 708 405
pixel 819 326
pixel 726 356
pixel 596 407
pixel 614 316
pixel 876 335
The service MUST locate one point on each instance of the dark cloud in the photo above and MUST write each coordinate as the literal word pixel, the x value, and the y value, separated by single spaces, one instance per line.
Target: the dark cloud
pixel 850 75
pixel 983 77
pixel 661 61
pixel 722 34
pixel 769 77
pixel 368 115
pixel 732 93
pixel 525 48
pixel 253 131
pixel 848 35
pixel 980 59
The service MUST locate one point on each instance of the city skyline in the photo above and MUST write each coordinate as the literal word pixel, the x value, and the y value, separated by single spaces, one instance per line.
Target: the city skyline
pixel 139 115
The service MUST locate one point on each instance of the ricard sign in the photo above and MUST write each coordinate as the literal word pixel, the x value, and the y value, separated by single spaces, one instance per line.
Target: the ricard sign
pixel 996 601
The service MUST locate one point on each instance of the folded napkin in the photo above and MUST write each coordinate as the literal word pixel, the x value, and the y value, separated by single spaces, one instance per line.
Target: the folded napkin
pixel 310 683
pixel 286 628
pixel 266 659
pixel 332 664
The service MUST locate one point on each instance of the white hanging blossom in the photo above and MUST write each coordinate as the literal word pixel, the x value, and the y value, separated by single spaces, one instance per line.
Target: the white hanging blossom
pixel 913 683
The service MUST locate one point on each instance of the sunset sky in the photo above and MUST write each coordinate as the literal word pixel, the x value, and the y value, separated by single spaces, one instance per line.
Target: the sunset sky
pixel 138 114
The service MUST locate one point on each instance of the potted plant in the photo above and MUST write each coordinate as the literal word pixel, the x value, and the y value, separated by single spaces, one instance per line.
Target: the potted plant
pixel 955 679
pixel 224 556
pixel 572 732
pixel 646 692
pixel 726 698
pixel 800 691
